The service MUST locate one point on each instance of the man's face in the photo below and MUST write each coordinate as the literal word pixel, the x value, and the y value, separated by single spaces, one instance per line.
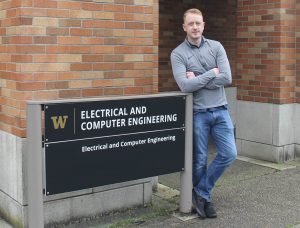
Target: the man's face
pixel 193 26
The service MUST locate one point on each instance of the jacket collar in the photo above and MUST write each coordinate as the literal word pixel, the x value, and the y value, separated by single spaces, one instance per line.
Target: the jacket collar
pixel 203 39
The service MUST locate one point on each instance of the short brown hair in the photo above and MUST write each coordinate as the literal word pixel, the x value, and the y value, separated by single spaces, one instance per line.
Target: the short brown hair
pixel 193 11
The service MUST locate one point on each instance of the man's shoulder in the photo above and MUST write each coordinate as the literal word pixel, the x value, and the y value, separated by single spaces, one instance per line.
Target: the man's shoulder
pixel 181 48
pixel 213 43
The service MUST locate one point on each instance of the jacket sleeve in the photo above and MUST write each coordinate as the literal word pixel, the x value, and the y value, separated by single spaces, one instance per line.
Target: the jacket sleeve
pixel 224 78
pixel 179 71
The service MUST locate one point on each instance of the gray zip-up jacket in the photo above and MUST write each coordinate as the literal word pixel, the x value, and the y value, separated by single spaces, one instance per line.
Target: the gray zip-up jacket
pixel 207 87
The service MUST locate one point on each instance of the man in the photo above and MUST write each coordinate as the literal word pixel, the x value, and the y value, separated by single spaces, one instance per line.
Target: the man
pixel 201 66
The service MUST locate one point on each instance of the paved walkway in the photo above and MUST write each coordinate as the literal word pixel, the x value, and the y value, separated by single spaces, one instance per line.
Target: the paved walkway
pixel 248 196
pixel 251 195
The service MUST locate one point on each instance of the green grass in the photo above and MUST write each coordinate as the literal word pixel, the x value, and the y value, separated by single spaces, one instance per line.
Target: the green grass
pixel 294 225
pixel 157 212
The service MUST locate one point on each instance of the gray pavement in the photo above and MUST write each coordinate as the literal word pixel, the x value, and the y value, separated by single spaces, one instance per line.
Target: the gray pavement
pixel 247 196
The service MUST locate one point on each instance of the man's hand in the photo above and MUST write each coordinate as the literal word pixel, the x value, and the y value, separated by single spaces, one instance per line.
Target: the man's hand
pixel 216 70
pixel 190 74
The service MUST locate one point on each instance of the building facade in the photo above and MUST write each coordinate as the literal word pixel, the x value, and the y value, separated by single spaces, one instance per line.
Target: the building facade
pixel 61 49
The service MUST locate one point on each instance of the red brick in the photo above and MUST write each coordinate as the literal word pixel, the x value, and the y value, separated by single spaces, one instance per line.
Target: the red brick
pixel 30 86
pixel 68 5
pixel 102 83
pixel 46 95
pixel 21 58
pixel 124 17
pixel 113 8
pixel 134 25
pixel 44 40
pixel 57 85
pixel 69 93
pixel 113 91
pixel 45 4
pixel 124 66
pixel 69 23
pixel 92 92
pixel 45 76
pixel 92 6
pixel 17 40
pixel 57 31
pixel 92 58
pixel 103 66
pixel 134 9
pixel 27 49
pixel 92 40
pixel 113 58
pixel 68 75
pixel 143 81
pixel 126 2
pixel 104 24
pixel 133 90
pixel 69 40
pixel 115 74
pixel 80 49
pixel 40 58
pixel 80 32
pixel 81 66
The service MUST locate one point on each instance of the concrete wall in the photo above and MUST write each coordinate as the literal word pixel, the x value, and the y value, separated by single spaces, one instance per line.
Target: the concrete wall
pixel 268 131
pixel 60 207
pixel 232 103
pixel 297 131
pixel 12 177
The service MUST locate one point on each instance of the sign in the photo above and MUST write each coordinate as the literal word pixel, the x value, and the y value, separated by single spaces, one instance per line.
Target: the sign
pixel 104 142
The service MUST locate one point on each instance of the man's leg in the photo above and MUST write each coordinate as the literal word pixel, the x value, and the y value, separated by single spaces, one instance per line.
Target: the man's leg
pixel 223 135
pixel 200 148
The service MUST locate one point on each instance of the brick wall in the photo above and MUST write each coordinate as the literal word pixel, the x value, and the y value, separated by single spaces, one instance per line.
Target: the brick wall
pixel 220 18
pixel 297 51
pixel 72 49
pixel 266 56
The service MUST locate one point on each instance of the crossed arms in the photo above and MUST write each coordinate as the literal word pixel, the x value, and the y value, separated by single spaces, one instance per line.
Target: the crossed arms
pixel 211 79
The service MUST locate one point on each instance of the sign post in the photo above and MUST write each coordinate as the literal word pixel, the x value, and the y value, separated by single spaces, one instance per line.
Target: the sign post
pixel 34 166
pixel 186 184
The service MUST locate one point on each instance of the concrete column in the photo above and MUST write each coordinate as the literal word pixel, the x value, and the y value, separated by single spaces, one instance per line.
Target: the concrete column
pixel 266 70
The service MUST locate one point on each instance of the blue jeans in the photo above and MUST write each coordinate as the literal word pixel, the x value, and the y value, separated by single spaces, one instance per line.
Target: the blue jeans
pixel 216 123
